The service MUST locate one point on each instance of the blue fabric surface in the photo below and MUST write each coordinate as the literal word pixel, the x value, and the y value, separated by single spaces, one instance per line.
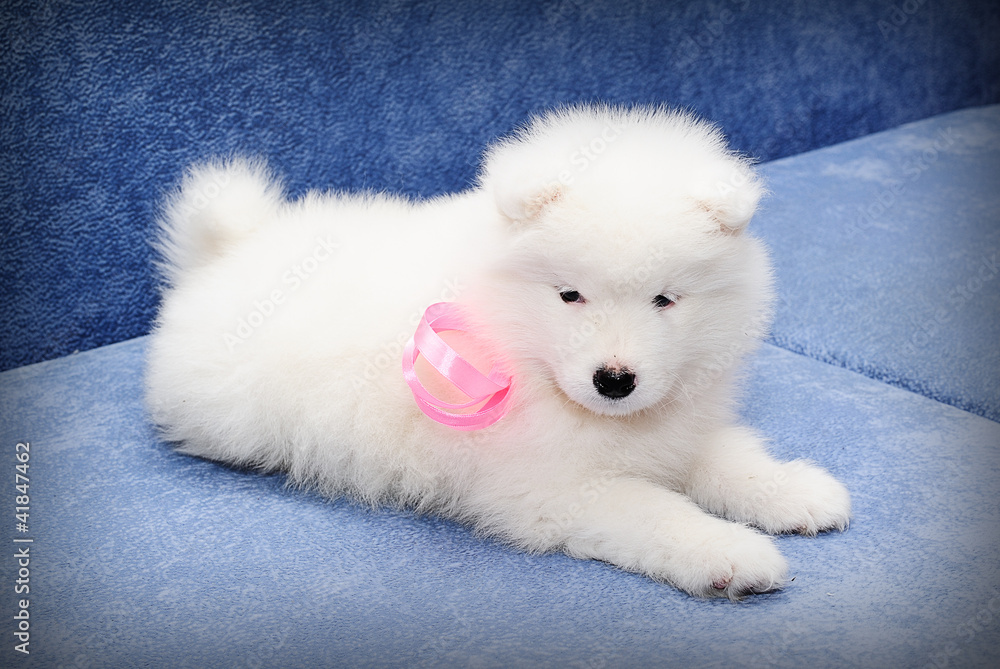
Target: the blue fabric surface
pixel 142 557
pixel 887 251
pixel 104 104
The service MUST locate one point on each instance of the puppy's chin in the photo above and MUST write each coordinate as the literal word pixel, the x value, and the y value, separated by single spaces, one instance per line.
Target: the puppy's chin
pixel 622 407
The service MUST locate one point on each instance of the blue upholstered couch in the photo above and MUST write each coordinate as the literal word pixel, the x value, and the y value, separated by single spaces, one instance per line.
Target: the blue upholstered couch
pixel 878 126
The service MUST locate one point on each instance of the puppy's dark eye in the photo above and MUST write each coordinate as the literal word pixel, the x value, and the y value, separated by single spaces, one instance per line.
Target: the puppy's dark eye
pixel 570 296
pixel 662 301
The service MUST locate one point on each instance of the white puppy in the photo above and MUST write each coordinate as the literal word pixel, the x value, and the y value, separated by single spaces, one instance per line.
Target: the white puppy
pixel 602 261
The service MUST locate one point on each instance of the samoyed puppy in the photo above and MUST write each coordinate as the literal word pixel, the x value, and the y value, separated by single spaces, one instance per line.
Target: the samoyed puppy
pixel 602 261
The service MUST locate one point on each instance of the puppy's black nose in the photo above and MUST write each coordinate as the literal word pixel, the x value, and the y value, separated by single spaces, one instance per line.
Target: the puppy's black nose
pixel 614 383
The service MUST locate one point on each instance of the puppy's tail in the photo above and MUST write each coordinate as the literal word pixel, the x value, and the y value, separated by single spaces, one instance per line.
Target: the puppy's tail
pixel 216 205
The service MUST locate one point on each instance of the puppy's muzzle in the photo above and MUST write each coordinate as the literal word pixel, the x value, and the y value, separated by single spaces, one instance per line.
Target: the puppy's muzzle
pixel 614 383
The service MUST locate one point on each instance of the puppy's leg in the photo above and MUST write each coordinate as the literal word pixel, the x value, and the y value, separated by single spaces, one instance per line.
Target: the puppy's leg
pixel 644 528
pixel 736 478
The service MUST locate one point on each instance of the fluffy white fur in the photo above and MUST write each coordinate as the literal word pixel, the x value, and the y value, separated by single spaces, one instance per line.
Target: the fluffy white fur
pixel 279 339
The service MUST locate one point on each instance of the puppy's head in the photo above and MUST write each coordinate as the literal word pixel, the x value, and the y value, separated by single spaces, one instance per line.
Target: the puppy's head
pixel 629 280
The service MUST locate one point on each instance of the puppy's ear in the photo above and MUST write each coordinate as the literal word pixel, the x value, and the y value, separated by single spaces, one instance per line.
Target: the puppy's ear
pixel 732 200
pixel 524 203
pixel 523 175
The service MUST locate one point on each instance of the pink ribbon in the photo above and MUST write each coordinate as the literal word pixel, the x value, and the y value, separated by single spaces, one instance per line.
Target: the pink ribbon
pixel 493 389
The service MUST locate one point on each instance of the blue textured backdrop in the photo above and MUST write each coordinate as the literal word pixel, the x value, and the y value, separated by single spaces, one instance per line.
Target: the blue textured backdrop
pixel 104 104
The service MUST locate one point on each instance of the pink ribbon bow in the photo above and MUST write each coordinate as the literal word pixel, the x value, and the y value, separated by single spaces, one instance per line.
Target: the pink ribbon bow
pixel 494 389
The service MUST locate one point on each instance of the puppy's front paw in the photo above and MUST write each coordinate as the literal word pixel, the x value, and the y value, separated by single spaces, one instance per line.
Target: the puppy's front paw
pixel 801 497
pixel 728 561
